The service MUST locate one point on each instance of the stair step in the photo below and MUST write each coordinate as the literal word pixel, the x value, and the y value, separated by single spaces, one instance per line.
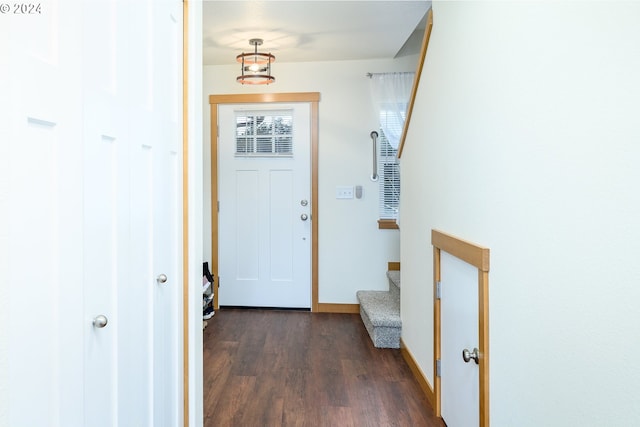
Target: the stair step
pixel 381 308
pixel 394 282
pixel 380 312
pixel 394 277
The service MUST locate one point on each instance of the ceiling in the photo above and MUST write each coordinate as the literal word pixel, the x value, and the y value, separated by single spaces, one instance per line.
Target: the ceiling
pixel 307 30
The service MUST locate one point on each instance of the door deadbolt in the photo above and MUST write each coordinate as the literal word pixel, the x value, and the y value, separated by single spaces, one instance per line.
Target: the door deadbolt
pixel 303 202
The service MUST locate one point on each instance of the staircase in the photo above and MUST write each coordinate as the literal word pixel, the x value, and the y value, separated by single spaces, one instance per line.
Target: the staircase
pixel 380 312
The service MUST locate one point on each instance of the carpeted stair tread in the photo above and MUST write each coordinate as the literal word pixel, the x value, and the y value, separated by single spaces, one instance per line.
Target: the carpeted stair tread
pixel 382 336
pixel 380 312
pixel 394 277
pixel 381 308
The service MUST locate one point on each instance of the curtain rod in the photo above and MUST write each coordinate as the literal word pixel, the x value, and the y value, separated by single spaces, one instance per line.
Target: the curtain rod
pixel 380 74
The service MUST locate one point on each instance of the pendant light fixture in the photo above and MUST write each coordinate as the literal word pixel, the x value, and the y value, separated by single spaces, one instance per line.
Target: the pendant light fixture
pixel 255 67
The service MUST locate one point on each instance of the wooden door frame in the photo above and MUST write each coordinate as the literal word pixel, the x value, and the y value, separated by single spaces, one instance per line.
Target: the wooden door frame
pixel 477 256
pixel 308 97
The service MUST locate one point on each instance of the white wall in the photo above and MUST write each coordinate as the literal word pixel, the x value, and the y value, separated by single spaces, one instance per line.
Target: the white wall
pixel 4 267
pixel 526 139
pixel 5 125
pixel 353 252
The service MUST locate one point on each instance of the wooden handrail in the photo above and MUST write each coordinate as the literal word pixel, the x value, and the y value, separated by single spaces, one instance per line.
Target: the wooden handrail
pixel 416 80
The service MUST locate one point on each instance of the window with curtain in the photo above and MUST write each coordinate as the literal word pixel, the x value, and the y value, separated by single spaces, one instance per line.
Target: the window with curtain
pixel 390 93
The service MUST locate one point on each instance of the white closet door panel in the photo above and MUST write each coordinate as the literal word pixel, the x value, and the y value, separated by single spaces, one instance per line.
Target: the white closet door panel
pixel 90 179
pixel 137 304
pixel 160 98
pixel 41 172
pixel 459 317
pixel 105 261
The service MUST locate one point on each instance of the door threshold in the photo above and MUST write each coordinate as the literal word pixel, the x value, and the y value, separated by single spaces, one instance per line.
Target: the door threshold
pixel 244 307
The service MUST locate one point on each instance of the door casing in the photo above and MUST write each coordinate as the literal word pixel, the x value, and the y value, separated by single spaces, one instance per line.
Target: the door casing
pixel 313 99
pixel 477 256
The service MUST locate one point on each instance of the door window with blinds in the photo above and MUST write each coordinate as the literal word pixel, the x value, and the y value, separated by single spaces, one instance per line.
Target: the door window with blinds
pixel 264 133
pixel 388 169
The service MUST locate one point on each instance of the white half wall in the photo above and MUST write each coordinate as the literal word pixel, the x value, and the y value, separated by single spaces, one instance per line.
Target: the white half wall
pixel 353 252
pixel 525 139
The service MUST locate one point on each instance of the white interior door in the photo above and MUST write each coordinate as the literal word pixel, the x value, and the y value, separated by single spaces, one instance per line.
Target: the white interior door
pixel 459 331
pixel 265 205
pixel 166 246
pixel 92 177
pixel 41 217
pixel 131 202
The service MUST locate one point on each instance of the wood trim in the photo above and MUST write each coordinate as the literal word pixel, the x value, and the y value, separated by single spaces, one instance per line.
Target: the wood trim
pixel 338 308
pixel 315 216
pixel 388 224
pixel 214 204
pixel 437 342
pixel 311 97
pixel 256 98
pixel 416 80
pixel 185 211
pixel 478 256
pixel 393 266
pixel 417 373
pixel 483 335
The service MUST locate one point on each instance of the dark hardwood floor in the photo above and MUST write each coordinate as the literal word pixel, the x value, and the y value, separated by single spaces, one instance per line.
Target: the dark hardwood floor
pixel 265 368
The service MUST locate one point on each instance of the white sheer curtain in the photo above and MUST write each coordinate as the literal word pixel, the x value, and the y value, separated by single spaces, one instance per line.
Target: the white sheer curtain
pixel 390 94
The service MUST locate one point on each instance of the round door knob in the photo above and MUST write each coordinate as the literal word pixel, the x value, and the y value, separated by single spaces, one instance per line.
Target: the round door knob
pixel 304 217
pixel 468 355
pixel 100 321
pixel 162 278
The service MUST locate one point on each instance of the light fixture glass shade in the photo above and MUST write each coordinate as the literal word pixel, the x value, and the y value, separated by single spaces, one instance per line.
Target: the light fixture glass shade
pixel 255 67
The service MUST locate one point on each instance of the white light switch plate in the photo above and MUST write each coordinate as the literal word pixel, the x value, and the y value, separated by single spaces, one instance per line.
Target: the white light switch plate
pixel 344 192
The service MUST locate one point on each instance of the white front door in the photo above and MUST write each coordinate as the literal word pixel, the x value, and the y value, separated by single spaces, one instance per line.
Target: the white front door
pixel 459 331
pixel 91 168
pixel 265 205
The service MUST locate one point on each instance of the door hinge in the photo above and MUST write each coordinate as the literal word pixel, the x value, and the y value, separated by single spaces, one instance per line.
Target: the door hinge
pixel 438 368
pixel 438 290
pixel 218 205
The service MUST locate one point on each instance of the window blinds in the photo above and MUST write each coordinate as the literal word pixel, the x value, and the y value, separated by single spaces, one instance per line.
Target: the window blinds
pixel 388 167
pixel 264 133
